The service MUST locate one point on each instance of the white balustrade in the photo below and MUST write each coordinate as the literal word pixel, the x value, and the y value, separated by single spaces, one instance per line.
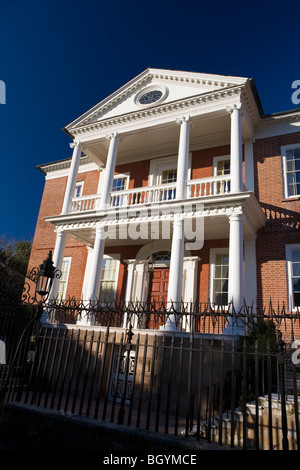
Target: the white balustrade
pixel 213 186
pixel 203 187
pixel 85 203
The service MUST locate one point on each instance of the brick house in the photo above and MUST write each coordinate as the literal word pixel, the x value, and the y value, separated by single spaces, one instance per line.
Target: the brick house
pixel 179 188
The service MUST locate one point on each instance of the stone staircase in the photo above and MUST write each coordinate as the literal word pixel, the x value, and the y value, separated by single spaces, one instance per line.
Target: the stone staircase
pixel 264 416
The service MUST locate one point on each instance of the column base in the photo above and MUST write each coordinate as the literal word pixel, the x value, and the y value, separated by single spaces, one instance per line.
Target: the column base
pixel 85 321
pixel 234 330
pixel 170 325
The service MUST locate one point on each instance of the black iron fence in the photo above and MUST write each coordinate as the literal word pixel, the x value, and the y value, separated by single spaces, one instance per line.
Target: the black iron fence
pixel 185 316
pixel 241 391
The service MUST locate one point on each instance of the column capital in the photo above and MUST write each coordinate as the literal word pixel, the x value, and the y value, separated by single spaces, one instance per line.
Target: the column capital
pixel 113 135
pixel 60 231
pixel 183 119
pixel 75 144
pixel 234 107
pixel 236 216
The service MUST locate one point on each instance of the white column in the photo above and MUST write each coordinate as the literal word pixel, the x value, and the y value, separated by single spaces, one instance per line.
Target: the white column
pixel 109 170
pixel 141 279
pixel 96 265
pixel 176 273
pixel 236 150
pixel 183 157
pixel 189 289
pixel 176 263
pixel 236 275
pixel 249 166
pixel 129 285
pixel 70 189
pixel 88 267
pixel 58 256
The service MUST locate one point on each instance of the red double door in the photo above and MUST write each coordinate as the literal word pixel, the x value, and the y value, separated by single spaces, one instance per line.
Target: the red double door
pixel 158 293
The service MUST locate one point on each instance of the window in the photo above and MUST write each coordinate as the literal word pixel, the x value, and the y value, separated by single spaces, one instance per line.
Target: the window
pixel 78 189
pixel 221 167
pixel 109 277
pixel 169 177
pixel 120 183
pixel 219 277
pixel 293 271
pixel 64 278
pixel 291 170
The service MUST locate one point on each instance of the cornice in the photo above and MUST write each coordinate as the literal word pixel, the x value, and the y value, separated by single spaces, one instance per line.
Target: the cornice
pixel 203 99
pixel 61 165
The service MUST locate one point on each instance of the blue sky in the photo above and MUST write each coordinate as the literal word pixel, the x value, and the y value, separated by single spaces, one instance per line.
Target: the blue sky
pixel 59 58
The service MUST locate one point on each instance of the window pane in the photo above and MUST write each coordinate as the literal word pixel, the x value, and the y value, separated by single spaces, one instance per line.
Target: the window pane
pixel 297 153
pixel 295 254
pixel 297 299
pixel 169 176
pixel 293 171
pixel 296 269
pixel 220 282
pixel 223 167
pixel 119 184
pixel 295 275
pixel 108 280
pixel 290 165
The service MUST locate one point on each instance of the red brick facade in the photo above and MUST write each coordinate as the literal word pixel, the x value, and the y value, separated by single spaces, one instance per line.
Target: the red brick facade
pixel 283 219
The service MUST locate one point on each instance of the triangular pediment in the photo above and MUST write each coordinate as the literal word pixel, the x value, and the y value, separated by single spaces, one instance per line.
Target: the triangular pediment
pixel 151 88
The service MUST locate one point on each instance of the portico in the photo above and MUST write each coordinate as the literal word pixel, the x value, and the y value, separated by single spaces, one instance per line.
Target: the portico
pixel 209 118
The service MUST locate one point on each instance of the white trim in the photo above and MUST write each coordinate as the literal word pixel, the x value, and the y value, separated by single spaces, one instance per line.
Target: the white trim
pixel 52 173
pixel 288 255
pixel 283 149
pixel 79 184
pixel 163 89
pixel 125 175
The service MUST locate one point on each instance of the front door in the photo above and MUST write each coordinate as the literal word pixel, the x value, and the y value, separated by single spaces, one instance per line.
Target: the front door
pixel 158 293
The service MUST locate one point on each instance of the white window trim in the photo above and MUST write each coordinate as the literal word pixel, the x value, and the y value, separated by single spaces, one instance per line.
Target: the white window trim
pixel 284 148
pixel 123 175
pixel 159 165
pixel 119 175
pixel 79 184
pixel 114 256
pixel 288 255
pixel 66 258
pixel 212 264
pixel 218 159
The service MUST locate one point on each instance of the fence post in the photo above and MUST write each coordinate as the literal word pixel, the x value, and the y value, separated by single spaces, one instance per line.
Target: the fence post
pixel 280 358
pixel 124 391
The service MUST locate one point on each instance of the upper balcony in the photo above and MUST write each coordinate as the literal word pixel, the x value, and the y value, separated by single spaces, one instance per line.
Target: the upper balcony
pixel 196 189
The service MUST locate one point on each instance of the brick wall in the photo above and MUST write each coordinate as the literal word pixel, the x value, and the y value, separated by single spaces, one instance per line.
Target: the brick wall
pixel 45 237
pixel 283 219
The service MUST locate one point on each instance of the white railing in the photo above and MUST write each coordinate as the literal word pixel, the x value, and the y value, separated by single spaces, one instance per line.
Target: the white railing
pixel 203 187
pixel 212 186
pixel 145 195
pixel 85 203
